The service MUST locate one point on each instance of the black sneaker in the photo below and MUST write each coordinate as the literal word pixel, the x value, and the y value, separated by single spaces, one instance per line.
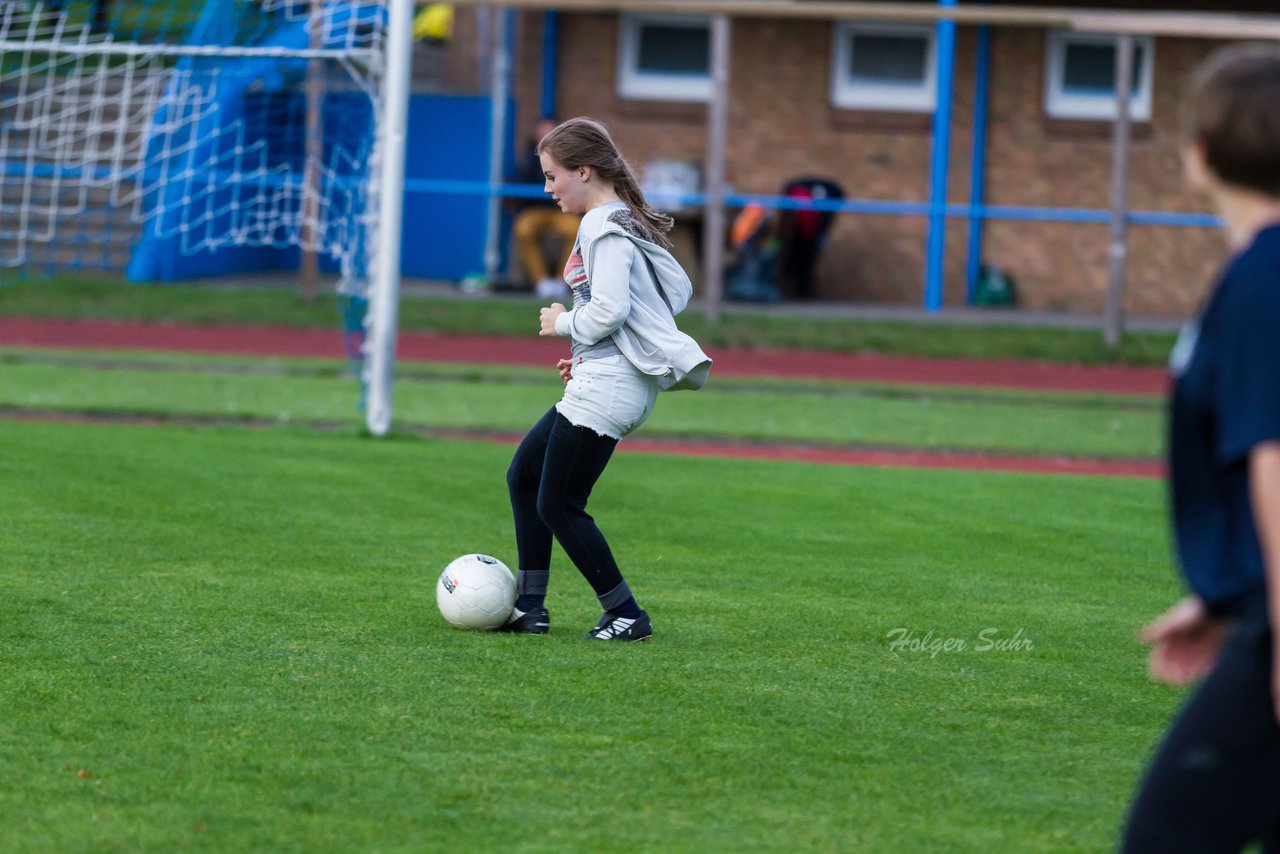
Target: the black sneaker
pixel 612 627
pixel 535 622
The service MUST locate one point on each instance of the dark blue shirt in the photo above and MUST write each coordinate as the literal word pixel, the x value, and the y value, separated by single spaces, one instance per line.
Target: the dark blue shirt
pixel 1226 400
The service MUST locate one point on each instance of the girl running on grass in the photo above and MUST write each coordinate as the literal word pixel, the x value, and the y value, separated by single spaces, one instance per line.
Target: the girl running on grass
pixel 627 289
pixel 1214 784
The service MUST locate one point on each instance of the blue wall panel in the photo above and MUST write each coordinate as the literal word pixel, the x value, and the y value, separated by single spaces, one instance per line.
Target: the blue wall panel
pixel 444 233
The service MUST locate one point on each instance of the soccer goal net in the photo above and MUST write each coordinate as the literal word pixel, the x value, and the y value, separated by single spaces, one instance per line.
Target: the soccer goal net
pixel 185 139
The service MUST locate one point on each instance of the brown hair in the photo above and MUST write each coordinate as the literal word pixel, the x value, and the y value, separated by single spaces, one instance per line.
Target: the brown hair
pixel 586 142
pixel 1233 111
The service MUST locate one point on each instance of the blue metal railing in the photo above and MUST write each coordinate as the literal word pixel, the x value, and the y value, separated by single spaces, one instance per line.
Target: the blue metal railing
pixel 977 213
pixel 858 206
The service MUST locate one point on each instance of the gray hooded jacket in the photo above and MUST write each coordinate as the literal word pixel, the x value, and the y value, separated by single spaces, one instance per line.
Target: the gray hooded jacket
pixel 637 288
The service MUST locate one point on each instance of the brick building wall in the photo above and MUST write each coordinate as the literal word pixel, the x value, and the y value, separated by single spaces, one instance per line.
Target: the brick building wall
pixel 782 125
pixel 1037 161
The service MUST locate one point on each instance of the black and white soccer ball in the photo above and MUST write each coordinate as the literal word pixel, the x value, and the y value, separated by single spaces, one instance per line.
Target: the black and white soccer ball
pixel 476 592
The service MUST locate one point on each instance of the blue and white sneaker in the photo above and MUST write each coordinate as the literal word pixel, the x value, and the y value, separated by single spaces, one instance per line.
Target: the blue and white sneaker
pixel 616 628
pixel 535 622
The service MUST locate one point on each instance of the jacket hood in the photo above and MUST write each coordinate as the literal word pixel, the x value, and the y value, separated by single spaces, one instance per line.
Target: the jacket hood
pixel 671 276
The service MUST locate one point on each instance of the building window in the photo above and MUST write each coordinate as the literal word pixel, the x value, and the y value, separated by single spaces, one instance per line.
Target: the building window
pixel 1081 74
pixel 884 67
pixel 665 57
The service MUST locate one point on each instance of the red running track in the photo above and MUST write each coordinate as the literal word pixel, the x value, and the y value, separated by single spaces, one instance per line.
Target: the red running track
pixel 480 349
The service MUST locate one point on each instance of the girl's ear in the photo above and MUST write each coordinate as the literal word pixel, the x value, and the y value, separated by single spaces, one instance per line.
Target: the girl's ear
pixel 584 173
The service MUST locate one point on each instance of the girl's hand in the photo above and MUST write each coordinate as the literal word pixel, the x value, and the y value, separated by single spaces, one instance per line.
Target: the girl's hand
pixel 1185 642
pixel 565 366
pixel 548 317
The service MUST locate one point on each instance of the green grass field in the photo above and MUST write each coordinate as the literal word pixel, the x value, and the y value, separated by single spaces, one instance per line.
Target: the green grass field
pixel 224 637
pixel 510 399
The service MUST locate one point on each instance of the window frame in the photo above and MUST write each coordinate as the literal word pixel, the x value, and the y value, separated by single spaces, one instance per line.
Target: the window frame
pixel 1060 104
pixel 635 84
pixel 848 95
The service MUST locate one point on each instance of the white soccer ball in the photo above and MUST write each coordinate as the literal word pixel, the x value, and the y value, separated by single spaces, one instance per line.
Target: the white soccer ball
pixel 476 592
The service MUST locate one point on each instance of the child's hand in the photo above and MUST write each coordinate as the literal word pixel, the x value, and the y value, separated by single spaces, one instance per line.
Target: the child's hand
pixel 1185 642
pixel 565 366
pixel 548 317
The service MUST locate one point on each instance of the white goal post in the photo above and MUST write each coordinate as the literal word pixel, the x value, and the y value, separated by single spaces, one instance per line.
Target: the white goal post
pixel 384 302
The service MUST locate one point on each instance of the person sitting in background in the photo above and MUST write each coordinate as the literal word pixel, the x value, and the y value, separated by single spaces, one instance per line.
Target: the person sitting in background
pixel 539 219
pixel 803 233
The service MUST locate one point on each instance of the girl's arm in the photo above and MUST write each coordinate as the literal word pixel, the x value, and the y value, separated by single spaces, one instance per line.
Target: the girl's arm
pixel 1264 494
pixel 610 305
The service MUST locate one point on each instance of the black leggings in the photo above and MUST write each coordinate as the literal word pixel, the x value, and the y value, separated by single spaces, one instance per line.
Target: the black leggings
pixel 1214 784
pixel 550 479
